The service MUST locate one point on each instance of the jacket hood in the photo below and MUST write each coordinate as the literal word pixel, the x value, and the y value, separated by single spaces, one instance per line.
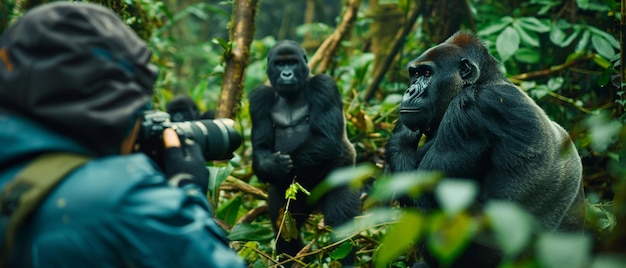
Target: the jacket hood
pixel 77 69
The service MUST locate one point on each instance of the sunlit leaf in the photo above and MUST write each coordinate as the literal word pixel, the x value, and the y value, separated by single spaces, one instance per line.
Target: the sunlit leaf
pixel 400 237
pixel 528 37
pixel 455 195
pixel 555 83
pixel 557 35
pixel 591 5
pixel 602 46
pixel 607 36
pixel 368 220
pixel 495 27
pixel 354 176
pixel 603 131
pixel 571 38
pixel 249 251
pixel 449 236
pixel 601 61
pixel 507 43
pixel 512 225
pixel 584 41
pixel 404 184
pixel 556 250
pixel 534 24
pixel 217 175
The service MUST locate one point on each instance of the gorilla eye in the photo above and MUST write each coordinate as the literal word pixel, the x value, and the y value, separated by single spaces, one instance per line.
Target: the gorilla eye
pixel 416 72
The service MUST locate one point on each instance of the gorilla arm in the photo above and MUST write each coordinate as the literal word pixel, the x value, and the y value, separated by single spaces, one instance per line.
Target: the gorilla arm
pixel 269 167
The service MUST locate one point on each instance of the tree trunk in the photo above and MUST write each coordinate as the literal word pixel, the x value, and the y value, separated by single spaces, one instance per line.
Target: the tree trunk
pixel 325 53
pixel 237 58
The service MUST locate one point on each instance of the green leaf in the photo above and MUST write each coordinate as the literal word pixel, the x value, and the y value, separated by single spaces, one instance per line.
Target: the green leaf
pixel 534 24
pixel 495 27
pixel 603 131
pixel 229 212
pixel 530 38
pixel 601 61
pixel 539 92
pixel 557 35
pixel 341 251
pixel 584 41
pixel 448 237
pixel 507 43
pixel 355 176
pixel 401 237
pixel 590 5
pixel 528 55
pixel 602 46
pixel 290 227
pixel 251 232
pixel 455 195
pixel 556 250
pixel 512 225
pixel 555 83
pixel 609 38
pixel 217 175
pixel 402 184
pixel 373 217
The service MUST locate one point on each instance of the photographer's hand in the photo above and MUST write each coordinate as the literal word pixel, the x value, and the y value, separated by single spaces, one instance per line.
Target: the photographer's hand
pixel 184 163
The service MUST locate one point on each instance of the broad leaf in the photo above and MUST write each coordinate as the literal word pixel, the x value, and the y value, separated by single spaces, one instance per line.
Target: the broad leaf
pixel 507 43
pixel 401 237
pixel 512 225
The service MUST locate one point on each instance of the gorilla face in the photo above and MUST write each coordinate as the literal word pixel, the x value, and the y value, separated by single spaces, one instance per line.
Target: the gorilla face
pixel 287 68
pixel 415 110
pixel 437 77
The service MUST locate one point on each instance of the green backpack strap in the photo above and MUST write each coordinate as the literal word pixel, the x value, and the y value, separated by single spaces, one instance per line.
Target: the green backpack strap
pixel 22 195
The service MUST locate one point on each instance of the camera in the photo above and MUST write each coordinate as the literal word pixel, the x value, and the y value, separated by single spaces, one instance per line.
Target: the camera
pixel 216 137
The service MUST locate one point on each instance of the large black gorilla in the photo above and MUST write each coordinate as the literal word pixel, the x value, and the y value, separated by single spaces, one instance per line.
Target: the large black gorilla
pixel 480 126
pixel 298 132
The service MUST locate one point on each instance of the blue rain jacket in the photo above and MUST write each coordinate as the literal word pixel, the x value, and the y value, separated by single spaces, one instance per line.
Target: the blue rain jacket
pixel 114 211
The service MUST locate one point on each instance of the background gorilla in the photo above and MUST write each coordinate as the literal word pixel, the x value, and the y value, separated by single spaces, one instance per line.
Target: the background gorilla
pixel 183 108
pixel 480 126
pixel 298 131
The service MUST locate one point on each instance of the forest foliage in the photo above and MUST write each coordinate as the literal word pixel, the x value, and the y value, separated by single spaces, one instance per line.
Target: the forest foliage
pixel 565 54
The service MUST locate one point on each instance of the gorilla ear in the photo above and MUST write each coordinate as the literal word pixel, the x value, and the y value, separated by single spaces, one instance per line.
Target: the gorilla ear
pixel 469 71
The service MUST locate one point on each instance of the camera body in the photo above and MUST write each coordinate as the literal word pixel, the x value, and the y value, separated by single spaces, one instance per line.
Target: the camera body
pixel 216 137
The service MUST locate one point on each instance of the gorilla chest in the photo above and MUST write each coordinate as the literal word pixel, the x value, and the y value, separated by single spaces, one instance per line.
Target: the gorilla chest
pixel 291 125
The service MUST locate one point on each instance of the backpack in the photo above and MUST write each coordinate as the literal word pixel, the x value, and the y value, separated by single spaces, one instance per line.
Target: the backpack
pixel 22 195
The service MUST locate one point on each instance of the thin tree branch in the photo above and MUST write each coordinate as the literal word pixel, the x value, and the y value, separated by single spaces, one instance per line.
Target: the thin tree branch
pixel 551 70
pixel 397 44
pixel 325 53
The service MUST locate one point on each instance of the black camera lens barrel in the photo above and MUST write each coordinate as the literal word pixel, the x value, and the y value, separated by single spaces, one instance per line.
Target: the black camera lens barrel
pixel 216 137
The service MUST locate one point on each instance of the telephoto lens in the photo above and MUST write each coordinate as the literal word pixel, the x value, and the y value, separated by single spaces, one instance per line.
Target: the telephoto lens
pixel 217 138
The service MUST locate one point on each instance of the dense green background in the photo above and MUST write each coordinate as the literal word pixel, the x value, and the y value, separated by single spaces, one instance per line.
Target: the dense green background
pixel 564 54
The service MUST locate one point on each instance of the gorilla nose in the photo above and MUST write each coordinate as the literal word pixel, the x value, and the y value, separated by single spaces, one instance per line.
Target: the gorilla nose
pixel 414 89
pixel 286 74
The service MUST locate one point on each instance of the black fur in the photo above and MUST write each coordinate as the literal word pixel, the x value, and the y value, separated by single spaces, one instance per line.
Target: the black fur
pixel 325 148
pixel 480 126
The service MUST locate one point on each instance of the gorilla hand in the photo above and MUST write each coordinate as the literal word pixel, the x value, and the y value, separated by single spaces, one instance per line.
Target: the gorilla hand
pixel 279 166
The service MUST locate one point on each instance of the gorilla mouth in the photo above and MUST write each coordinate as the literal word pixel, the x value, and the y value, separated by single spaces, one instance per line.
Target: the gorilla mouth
pixel 411 110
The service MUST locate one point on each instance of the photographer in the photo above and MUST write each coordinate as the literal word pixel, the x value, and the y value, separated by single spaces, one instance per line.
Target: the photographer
pixel 74 83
